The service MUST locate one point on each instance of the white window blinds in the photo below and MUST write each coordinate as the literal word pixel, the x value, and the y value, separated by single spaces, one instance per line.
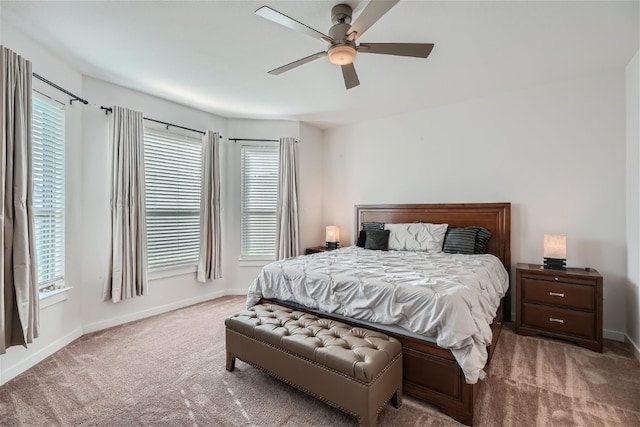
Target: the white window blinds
pixel 48 185
pixel 259 201
pixel 172 178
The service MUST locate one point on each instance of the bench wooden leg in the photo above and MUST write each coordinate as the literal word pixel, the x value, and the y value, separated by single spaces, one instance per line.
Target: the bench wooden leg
pixel 231 362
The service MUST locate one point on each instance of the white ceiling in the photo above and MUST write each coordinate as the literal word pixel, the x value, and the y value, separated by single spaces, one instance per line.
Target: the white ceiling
pixel 214 55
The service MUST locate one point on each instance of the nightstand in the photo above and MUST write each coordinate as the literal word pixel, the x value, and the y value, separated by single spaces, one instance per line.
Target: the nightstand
pixel 563 304
pixel 316 249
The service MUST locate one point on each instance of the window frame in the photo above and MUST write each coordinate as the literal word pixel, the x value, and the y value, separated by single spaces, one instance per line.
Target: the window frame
pixel 246 258
pixel 167 269
pixel 50 285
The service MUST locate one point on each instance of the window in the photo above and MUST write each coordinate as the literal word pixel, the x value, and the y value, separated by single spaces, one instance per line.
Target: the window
pixel 48 190
pixel 259 171
pixel 172 178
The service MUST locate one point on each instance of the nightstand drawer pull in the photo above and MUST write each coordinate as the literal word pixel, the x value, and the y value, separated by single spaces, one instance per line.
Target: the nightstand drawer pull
pixel 556 294
pixel 556 279
pixel 553 319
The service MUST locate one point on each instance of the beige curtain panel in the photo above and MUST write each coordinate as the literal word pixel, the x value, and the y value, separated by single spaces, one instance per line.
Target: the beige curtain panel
pixel 128 275
pixel 19 299
pixel 287 235
pixel 209 258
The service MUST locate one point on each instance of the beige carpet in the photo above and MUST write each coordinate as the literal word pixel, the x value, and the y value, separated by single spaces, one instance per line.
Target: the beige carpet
pixel 168 370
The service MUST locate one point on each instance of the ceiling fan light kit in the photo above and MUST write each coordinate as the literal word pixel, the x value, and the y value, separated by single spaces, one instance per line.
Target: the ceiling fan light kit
pixel 342 38
pixel 341 55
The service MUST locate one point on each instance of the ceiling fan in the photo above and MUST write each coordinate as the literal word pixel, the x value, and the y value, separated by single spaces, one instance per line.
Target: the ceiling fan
pixel 342 38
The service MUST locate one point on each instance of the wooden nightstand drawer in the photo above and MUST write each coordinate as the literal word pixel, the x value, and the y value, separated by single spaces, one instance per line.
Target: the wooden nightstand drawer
pixel 559 276
pixel 560 303
pixel 559 320
pixel 563 294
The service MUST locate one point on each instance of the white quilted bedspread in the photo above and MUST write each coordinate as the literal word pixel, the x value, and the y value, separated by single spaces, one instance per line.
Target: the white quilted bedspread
pixel 450 297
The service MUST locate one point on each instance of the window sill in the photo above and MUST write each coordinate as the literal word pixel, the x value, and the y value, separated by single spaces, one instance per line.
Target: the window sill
pixel 50 298
pixel 172 271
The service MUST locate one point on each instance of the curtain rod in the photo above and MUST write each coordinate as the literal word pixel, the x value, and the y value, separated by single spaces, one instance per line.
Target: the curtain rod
pixel 175 126
pixel 255 140
pixel 107 110
pixel 61 89
pixel 74 97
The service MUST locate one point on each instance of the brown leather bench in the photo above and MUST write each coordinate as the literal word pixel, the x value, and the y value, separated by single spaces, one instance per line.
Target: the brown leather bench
pixel 353 369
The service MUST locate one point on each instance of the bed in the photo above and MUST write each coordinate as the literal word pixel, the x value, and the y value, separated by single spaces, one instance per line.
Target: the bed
pixel 431 372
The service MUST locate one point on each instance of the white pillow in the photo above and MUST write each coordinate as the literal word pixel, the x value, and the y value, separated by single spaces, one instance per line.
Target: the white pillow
pixel 419 236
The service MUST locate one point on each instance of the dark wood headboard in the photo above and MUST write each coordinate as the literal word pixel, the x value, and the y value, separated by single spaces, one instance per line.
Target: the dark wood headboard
pixel 495 217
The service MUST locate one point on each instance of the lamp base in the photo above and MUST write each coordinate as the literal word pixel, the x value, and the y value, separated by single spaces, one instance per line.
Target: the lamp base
pixel 555 264
pixel 333 245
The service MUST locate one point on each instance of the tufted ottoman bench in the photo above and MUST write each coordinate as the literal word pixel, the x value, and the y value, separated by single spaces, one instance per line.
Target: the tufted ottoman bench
pixel 353 369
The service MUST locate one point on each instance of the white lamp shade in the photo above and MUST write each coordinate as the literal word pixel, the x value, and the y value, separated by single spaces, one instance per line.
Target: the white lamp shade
pixel 332 234
pixel 555 246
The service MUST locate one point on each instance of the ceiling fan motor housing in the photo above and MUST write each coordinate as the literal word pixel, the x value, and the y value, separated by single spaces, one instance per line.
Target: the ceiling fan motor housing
pixel 342 51
pixel 341 18
pixel 339 33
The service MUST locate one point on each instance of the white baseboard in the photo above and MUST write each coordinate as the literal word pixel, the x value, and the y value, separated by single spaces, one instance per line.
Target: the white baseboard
pixel 236 292
pixel 104 324
pixel 634 346
pixel 613 335
pixel 622 337
pixel 39 356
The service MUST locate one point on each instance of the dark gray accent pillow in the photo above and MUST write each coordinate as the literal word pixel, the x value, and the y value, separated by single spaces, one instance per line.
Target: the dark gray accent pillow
pixel 373 225
pixel 481 240
pixel 460 240
pixel 362 237
pixel 377 239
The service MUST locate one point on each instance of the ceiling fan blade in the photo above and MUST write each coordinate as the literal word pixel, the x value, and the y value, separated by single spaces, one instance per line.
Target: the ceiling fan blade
pixel 282 19
pixel 297 63
pixel 369 16
pixel 350 76
pixel 416 50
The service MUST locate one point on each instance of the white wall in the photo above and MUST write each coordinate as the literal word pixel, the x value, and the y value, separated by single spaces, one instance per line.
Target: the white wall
pixel 60 323
pixel 311 183
pixel 556 152
pixel 633 203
